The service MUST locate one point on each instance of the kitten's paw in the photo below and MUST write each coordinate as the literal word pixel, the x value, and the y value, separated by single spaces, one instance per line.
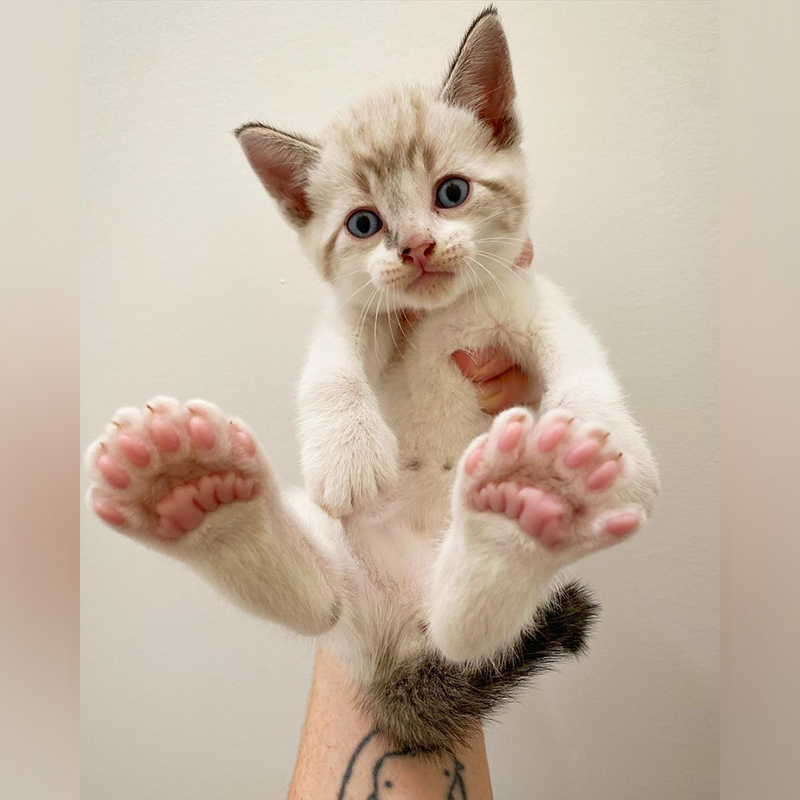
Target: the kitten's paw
pixel 352 467
pixel 160 471
pixel 556 478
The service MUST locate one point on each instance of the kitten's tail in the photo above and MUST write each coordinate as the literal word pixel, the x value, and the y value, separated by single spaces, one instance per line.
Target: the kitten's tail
pixel 428 704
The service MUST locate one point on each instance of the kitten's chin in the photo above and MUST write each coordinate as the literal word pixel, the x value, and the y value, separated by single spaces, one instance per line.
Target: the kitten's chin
pixel 431 290
pixel 430 283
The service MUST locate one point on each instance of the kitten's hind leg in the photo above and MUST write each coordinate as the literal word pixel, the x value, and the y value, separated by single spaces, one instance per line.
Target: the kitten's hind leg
pixel 189 482
pixel 529 499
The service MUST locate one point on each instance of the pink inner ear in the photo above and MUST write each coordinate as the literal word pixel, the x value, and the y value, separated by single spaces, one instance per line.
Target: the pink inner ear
pixel 289 182
pixel 481 78
pixel 496 97
pixel 282 163
pixel 525 258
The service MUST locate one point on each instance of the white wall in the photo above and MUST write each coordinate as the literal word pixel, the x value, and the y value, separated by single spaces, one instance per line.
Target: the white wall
pixel 193 286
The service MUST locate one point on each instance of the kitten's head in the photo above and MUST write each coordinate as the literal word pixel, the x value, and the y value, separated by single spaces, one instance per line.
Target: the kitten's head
pixel 414 196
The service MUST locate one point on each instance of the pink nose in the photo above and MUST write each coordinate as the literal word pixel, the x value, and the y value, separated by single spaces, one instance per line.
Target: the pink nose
pixel 418 253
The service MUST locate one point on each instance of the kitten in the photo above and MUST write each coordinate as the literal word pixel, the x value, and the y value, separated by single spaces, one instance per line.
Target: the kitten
pixel 426 548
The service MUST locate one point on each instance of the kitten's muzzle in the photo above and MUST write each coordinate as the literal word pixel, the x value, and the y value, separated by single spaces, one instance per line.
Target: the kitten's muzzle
pixel 430 279
pixel 417 251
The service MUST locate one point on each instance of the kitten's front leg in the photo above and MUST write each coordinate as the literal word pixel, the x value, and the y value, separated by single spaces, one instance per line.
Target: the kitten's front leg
pixel 191 483
pixel 529 499
pixel 348 452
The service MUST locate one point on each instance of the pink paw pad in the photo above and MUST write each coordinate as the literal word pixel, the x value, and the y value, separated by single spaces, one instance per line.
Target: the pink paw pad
pixel 474 459
pixel 582 453
pixel 161 469
pixel 114 474
pixel 538 513
pixel 206 493
pixel 185 507
pixel 553 533
pixel 624 523
pixel 246 442
pixel 510 437
pixel 134 449
pixel 244 488
pixel 225 488
pixel 603 476
pixel 554 478
pixel 107 511
pixel 552 436
pixel 165 435
pixel 202 433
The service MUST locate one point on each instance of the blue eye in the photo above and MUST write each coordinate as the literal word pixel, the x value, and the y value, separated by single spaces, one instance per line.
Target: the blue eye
pixel 452 192
pixel 364 223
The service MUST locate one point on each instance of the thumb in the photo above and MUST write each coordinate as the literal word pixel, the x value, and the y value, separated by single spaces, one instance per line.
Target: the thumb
pixel 505 391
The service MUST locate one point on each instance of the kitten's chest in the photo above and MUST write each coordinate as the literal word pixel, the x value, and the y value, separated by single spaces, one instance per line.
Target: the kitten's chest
pixel 431 407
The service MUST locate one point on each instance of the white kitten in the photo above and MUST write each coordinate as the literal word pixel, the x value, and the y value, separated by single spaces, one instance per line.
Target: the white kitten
pixel 426 545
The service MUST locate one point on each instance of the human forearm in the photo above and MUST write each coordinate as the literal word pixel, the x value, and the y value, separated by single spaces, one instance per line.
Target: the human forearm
pixel 341 757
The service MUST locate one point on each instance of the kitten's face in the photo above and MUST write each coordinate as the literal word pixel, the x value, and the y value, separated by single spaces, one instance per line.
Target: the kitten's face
pixel 413 203
pixel 415 197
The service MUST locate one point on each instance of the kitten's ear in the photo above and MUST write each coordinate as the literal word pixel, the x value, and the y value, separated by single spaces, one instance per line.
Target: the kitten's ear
pixel 480 78
pixel 282 163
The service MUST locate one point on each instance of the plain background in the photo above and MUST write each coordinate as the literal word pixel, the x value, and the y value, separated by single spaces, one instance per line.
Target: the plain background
pixel 193 286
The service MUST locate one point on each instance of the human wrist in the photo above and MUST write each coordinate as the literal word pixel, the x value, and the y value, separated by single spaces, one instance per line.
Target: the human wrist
pixel 341 753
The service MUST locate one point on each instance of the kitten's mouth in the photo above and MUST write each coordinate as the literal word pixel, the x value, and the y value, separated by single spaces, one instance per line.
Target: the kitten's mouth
pixel 430 279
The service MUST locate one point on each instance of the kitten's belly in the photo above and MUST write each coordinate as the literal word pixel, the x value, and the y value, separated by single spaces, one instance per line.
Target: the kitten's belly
pixel 434 412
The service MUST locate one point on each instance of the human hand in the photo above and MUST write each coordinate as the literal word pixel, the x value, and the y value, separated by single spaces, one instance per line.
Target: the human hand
pixel 500 382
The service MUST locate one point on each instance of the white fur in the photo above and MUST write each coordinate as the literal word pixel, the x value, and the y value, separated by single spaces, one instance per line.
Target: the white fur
pixel 486 577
pixel 381 552
pixel 407 554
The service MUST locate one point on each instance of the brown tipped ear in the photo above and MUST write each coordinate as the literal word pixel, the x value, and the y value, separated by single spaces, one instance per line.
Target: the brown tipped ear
pixel 282 163
pixel 480 78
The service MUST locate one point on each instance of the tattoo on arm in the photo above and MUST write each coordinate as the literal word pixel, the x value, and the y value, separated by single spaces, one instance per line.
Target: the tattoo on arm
pixel 372 773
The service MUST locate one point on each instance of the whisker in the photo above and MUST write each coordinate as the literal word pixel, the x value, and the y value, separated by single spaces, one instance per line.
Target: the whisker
pixel 505 265
pixel 358 326
pixel 348 274
pixel 492 276
pixel 501 239
pixel 362 319
pixel 473 279
pixel 480 283
pixel 400 326
pixel 389 315
pixel 522 241
pixel 363 285
pixel 505 209
pixel 375 328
